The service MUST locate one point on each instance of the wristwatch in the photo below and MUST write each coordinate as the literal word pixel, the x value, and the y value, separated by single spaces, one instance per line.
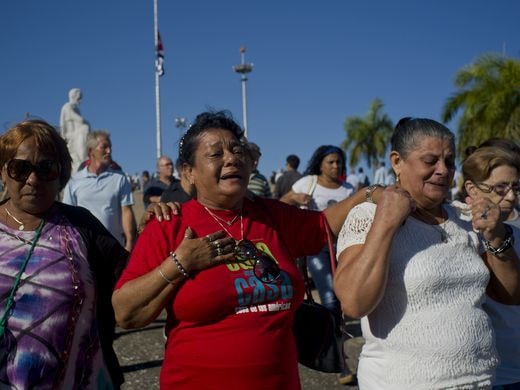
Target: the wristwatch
pixel 370 190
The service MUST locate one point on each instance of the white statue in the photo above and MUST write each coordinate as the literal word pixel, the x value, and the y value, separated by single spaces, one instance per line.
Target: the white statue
pixel 74 128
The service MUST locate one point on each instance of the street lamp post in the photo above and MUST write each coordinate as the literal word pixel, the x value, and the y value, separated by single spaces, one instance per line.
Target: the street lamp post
pixel 243 68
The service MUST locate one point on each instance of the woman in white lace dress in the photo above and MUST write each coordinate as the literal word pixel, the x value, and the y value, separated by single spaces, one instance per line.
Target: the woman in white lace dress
pixel 417 274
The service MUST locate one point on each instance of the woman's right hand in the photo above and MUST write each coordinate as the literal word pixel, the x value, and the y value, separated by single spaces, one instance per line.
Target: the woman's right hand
pixel 394 205
pixel 296 198
pixel 197 254
pixel 302 199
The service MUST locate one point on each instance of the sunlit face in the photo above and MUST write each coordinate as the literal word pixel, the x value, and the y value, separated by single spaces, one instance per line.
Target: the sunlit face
pixel 102 153
pixel 165 167
pixel 33 195
pixel 427 171
pixel 220 172
pixel 503 176
pixel 331 166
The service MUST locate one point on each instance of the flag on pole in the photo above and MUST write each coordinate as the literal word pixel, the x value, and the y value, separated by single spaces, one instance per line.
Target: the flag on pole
pixel 159 56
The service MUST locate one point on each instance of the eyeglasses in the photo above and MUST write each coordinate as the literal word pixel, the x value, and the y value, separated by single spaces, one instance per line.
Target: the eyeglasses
pixel 265 268
pixel 501 189
pixel 20 170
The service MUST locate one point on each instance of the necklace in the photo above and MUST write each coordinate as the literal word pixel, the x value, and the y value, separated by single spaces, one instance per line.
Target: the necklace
pixel 20 223
pixel 439 227
pixel 217 219
pixel 17 280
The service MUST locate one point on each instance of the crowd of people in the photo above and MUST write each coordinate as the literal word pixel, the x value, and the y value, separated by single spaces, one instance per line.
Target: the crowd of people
pixel 434 280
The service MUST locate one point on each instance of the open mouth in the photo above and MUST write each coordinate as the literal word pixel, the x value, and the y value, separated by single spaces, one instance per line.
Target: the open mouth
pixel 230 176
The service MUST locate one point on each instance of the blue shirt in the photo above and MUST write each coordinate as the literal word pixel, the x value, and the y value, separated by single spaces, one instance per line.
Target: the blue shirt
pixel 103 195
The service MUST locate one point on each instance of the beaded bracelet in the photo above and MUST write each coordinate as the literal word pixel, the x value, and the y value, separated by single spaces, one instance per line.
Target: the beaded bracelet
pixel 164 277
pixel 179 266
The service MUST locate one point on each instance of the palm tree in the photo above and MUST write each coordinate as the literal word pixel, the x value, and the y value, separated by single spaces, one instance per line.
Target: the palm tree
pixel 489 101
pixel 368 137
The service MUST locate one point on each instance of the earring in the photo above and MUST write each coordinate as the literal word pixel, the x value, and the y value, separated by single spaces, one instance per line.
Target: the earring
pixel 397 179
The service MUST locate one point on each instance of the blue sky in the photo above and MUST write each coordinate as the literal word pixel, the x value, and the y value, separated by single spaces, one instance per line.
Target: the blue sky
pixel 315 64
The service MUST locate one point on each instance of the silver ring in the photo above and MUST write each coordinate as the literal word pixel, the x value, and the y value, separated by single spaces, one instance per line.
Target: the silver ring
pixel 219 251
pixel 484 214
pixel 217 244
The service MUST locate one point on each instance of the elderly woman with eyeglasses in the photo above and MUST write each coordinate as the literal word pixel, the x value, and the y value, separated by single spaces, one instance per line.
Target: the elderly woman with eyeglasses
pixel 58 267
pixel 224 270
pixel 493 173
pixel 417 275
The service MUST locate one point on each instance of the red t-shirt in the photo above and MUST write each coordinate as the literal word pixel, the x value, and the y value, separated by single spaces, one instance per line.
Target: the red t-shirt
pixel 228 330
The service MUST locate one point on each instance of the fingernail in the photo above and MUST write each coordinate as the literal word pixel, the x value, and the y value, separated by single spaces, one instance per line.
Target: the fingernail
pixel 159 219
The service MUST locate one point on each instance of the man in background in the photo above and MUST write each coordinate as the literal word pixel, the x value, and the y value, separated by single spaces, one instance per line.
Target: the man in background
pixel 284 183
pixel 258 183
pixel 103 190
pixel 353 179
pixel 362 178
pixel 155 187
pixel 380 173
pixel 180 190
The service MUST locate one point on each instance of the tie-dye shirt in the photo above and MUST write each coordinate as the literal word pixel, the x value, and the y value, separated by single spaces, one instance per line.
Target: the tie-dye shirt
pixel 51 340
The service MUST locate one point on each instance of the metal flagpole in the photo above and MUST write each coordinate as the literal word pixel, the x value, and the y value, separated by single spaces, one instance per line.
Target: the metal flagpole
pixel 243 68
pixel 157 95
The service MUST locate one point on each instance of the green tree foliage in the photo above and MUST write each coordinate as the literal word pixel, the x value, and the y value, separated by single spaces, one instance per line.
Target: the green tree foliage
pixel 488 98
pixel 368 137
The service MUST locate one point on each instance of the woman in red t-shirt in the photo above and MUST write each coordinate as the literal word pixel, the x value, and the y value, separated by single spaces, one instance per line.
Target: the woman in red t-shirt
pixel 224 270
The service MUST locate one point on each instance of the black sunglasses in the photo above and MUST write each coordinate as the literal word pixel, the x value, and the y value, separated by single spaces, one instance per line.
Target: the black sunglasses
pixel 265 268
pixel 20 170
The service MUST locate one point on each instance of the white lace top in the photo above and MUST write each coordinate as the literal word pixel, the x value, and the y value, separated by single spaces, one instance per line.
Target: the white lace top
pixel 429 331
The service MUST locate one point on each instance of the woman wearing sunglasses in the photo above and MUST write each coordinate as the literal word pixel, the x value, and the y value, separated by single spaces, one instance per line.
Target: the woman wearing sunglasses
pixel 224 270
pixel 493 173
pixel 58 266
pixel 417 275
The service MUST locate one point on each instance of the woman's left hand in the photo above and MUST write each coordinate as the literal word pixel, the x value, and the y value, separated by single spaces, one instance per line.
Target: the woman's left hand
pixel 486 219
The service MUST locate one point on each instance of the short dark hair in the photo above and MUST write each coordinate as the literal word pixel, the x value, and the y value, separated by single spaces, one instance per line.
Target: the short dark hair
pixel 314 165
pixel 178 165
pixel 293 161
pixel 254 151
pixel 409 131
pixel 203 122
